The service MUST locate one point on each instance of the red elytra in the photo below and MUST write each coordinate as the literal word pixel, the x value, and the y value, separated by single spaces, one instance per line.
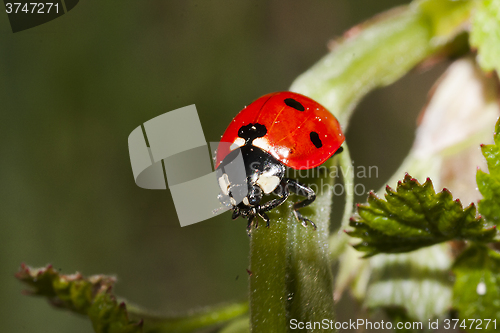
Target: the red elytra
pixel 301 133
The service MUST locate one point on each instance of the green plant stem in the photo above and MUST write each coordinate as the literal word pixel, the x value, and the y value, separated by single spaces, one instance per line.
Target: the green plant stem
pixel 268 276
pixel 339 239
pixel 310 278
pixel 290 271
pixel 188 323
pixel 291 276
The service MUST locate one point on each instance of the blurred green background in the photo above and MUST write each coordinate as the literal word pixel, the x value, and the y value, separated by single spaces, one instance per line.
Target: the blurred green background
pixel 73 89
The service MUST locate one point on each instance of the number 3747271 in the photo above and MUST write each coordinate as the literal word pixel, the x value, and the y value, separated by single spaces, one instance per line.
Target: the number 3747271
pixel 470 323
pixel 31 7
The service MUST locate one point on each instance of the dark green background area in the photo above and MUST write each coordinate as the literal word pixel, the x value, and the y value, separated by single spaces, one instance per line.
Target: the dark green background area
pixel 73 89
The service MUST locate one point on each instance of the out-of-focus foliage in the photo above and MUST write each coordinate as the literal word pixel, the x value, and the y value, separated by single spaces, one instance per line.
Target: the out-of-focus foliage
pixel 422 276
pixel 458 117
pixel 476 293
pixel 489 184
pixel 409 34
pixel 485 34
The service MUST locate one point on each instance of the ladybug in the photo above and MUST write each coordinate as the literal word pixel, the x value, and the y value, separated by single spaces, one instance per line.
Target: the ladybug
pixel 278 130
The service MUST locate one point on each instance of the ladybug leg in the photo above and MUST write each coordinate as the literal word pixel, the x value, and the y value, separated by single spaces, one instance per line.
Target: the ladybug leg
pixel 302 190
pixel 265 218
pixel 249 225
pixel 236 213
pixel 341 149
pixel 303 220
pixel 282 191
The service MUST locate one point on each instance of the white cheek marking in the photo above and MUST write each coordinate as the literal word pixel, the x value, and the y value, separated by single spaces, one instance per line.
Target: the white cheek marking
pixel 224 184
pixel 238 142
pixel 233 202
pixel 268 183
pixel 245 201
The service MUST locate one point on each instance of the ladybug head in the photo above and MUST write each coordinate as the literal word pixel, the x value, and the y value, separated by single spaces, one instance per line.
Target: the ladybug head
pixel 244 187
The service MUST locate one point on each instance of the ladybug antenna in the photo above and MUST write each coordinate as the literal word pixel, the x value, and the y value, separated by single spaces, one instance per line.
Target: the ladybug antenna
pixel 251 132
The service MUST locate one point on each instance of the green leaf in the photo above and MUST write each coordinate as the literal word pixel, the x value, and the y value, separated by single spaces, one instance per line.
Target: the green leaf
pixel 476 293
pixel 485 34
pixel 415 216
pixel 90 296
pixel 489 184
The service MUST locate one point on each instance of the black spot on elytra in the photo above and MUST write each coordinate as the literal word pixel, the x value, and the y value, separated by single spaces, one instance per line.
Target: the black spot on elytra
pixel 294 104
pixel 251 132
pixel 315 139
